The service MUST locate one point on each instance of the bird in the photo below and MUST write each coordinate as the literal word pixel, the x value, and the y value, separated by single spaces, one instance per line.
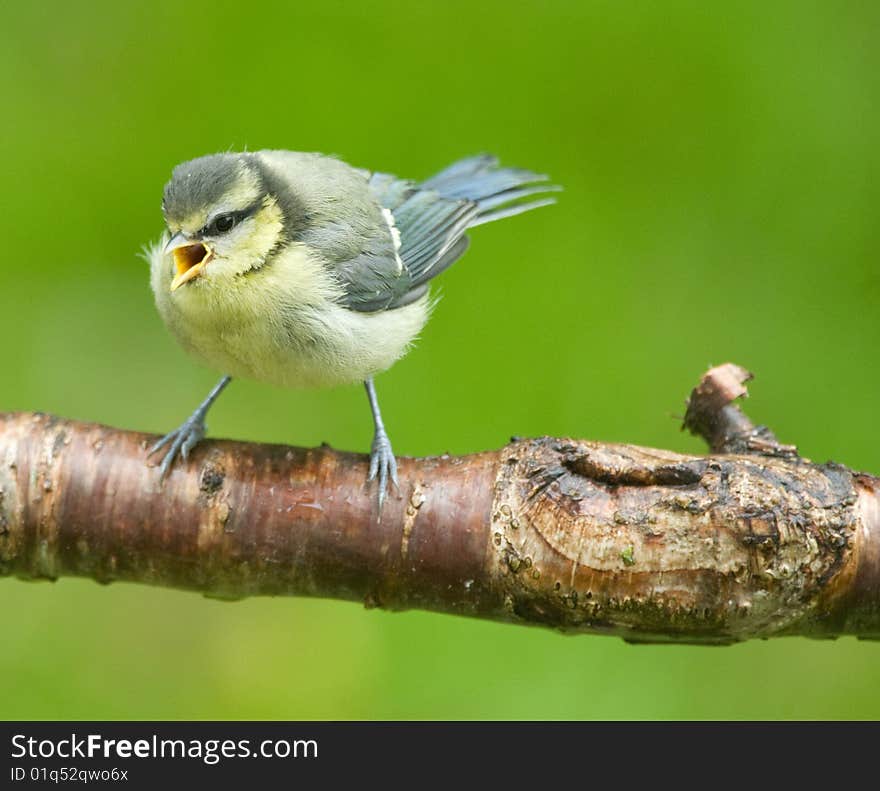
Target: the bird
pixel 300 270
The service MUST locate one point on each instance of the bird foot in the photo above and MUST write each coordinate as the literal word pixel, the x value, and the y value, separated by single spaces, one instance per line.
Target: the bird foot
pixel 182 439
pixel 382 464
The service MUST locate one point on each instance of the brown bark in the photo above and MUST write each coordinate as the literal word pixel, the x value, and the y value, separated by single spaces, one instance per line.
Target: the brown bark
pixel 752 541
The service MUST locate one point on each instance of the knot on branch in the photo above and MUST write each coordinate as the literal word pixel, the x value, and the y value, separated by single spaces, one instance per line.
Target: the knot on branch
pixel 629 465
pixel 709 549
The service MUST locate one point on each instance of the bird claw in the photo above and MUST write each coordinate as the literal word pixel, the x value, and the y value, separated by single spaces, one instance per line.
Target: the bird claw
pixel 183 439
pixel 382 464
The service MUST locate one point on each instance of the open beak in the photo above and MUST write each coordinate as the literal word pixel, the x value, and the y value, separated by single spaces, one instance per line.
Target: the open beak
pixel 190 258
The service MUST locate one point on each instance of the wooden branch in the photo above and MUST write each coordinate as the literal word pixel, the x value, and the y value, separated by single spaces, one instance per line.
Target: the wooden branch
pixel 651 545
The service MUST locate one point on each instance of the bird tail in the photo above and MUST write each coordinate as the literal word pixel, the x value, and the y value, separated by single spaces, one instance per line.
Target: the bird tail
pixel 498 192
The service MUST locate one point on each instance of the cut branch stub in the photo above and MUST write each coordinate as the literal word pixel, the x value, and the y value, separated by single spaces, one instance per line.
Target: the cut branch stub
pixel 712 415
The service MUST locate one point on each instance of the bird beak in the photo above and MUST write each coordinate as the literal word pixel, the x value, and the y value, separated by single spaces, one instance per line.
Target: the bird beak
pixel 190 257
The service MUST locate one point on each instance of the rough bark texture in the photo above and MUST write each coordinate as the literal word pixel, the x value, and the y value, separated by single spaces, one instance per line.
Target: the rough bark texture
pixel 651 545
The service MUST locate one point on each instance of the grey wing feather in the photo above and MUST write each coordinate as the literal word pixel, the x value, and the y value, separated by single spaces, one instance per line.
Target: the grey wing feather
pixel 429 226
pixel 371 280
pixel 432 218
pixel 428 222
pixel 389 190
pixel 446 260
pixel 492 187
pixel 431 230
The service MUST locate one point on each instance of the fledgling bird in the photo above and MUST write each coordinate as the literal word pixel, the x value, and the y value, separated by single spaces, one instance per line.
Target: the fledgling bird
pixel 302 271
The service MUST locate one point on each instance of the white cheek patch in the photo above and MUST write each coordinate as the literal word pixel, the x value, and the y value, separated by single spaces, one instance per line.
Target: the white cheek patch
pixel 395 237
pixel 252 240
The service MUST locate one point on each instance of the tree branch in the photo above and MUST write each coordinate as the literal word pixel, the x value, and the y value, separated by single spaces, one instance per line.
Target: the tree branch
pixel 651 545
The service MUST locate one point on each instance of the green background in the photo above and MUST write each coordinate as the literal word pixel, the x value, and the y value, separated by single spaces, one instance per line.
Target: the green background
pixel 722 185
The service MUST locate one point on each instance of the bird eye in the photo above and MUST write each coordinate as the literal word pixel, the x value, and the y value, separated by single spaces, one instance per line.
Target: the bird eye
pixel 224 223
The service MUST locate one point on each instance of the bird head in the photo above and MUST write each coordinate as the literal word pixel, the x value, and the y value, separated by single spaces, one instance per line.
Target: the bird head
pixel 222 218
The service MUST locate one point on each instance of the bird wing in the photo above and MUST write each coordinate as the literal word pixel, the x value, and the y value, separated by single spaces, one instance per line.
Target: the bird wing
pixel 427 223
pixel 373 276
pixel 426 234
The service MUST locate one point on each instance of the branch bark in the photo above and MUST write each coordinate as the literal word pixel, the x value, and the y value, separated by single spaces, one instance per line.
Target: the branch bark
pixel 651 545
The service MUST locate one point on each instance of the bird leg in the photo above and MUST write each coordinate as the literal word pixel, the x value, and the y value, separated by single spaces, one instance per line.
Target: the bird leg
pixel 382 461
pixel 184 438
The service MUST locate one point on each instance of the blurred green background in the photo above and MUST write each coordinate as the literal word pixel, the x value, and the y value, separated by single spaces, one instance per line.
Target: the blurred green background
pixel 722 185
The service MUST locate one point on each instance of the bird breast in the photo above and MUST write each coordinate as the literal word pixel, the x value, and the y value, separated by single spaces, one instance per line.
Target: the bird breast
pixel 283 324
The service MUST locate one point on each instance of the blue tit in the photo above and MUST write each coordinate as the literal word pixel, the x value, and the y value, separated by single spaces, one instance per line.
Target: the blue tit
pixel 300 270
